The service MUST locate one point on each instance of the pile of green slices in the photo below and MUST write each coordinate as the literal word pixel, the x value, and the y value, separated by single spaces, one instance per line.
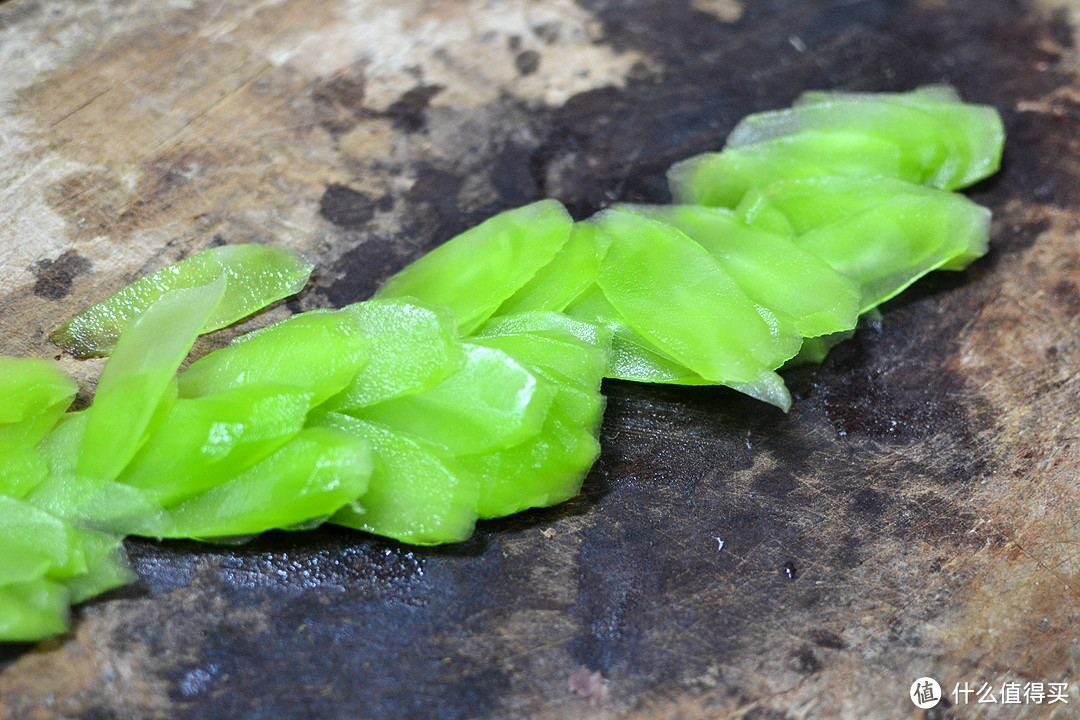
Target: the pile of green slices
pixel 469 387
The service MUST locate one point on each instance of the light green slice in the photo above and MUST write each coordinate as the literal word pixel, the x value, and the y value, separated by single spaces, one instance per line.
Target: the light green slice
pixel 256 275
pixel 311 477
pixel 418 493
pixel 138 375
pixel 475 272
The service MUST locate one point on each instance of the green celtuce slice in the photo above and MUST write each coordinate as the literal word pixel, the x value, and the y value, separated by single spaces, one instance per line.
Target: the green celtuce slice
pixel 477 271
pixel 674 293
pixel 977 131
pixel 418 492
pixel 137 377
pixel 722 179
pixel 257 276
pixel 772 270
pixel 413 347
pixel 493 402
pixel 209 439
pixel 107 566
pixel 311 477
pixel 35 394
pixel 571 355
pixel 885 237
pixel 318 352
pixel 569 274
pixel 632 357
pixel 924 141
pixel 33 610
pixel 544 470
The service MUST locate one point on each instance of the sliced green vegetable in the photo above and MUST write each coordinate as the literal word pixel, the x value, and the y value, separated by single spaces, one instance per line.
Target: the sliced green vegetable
pixel 475 272
pixel 492 402
pixel 413 347
pixel 257 275
pixel 317 352
pixel 311 477
pixel 672 291
pixel 773 271
pixel 135 380
pixel 569 274
pixel 418 492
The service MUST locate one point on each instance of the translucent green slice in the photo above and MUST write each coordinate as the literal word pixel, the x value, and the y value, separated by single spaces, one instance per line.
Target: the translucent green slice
pixel 924 142
pixel 977 130
pixel 574 367
pixel 722 179
pixel 478 270
pixel 29 387
pixel 33 543
pixel 22 468
pixel 883 238
pixel 570 273
pixel 634 358
pixel 256 275
pixel 33 610
pixel 565 356
pixel 107 566
pixel 138 375
pixel 418 493
pixel 311 477
pixel 544 470
pixel 317 352
pixel 413 347
pixel 674 293
pixel 209 439
pixel 492 402
pixel 772 270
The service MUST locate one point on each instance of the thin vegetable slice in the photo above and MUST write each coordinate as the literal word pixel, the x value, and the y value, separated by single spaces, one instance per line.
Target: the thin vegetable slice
pixel 670 290
pixel 478 270
pixel 257 275
pixel 418 492
pixel 773 271
pixel 137 376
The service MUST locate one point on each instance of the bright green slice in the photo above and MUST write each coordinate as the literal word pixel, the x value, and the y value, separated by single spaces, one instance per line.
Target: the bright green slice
pixel 257 275
pixel 310 478
pixel 977 130
pixel 883 238
pixel 29 387
pixel 475 272
pixel 569 274
pixel 493 402
pixel 413 347
pixel 544 470
pixel 632 357
pixel 33 610
pixel 318 352
pixel 139 375
pixel 722 179
pixel 573 356
pixel 418 492
pixel 207 440
pixel 674 293
pixel 773 271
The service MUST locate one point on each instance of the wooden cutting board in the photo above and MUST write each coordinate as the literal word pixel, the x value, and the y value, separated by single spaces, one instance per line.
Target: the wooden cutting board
pixel 913 515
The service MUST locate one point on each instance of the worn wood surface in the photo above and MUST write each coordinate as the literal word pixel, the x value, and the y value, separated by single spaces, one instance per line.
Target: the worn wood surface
pixel 915 513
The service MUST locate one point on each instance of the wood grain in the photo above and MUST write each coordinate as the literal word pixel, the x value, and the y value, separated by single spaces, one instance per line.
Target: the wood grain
pixel 913 515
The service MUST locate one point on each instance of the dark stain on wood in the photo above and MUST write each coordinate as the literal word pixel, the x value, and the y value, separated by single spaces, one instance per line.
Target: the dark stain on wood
pixel 53 278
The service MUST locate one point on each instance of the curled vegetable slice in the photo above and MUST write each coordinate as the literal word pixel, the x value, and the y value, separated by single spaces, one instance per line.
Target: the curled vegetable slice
pixel 257 276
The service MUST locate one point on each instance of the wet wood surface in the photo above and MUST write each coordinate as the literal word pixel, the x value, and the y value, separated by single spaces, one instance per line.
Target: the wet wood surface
pixel 914 515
